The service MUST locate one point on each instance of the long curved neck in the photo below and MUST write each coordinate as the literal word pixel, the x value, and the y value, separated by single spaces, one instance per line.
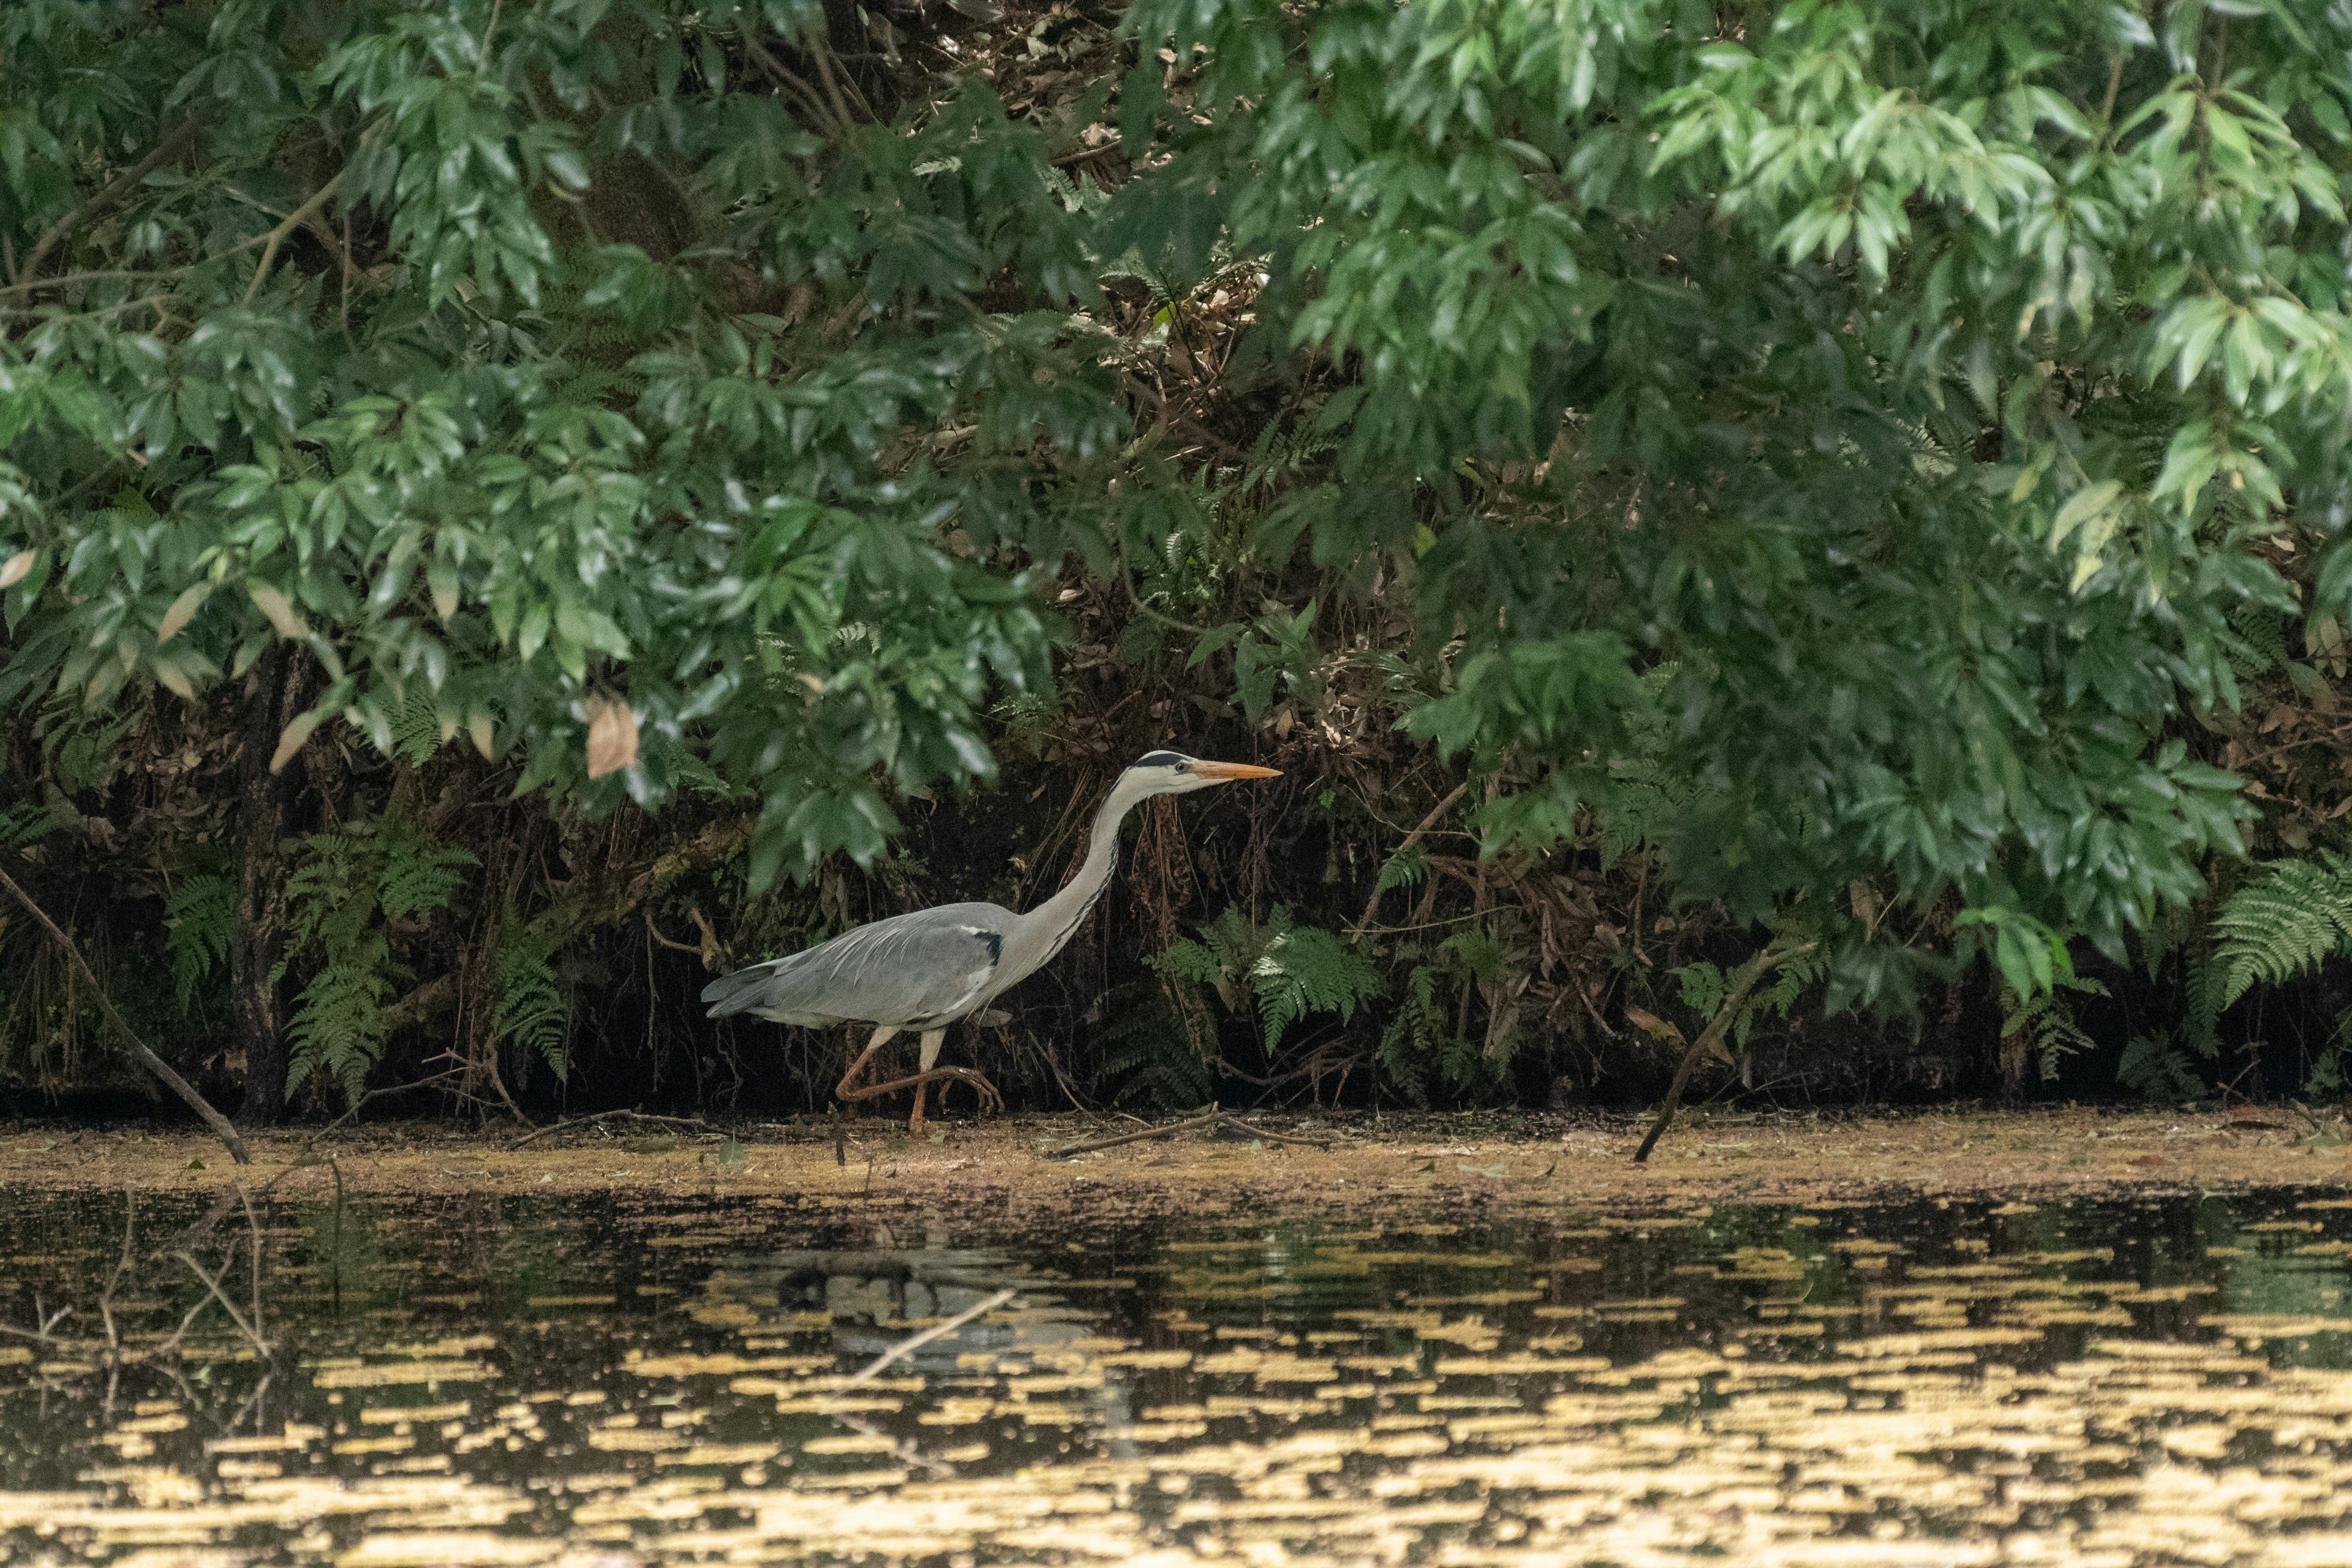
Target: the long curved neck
pixel 1044 928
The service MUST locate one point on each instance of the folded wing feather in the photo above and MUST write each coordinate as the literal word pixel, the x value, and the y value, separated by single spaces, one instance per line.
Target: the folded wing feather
pixel 926 968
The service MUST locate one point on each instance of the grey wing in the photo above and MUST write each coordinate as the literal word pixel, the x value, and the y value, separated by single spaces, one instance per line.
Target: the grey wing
pixel 928 967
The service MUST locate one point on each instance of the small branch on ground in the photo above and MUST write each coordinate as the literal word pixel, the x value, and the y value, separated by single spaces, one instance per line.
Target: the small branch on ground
pixel 695 1123
pixel 147 1058
pixel 1213 1117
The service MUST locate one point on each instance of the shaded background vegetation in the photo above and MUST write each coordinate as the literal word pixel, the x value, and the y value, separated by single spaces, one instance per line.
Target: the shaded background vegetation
pixel 1061 440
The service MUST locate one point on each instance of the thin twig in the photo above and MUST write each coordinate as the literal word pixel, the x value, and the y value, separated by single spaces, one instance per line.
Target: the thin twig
pixel 293 221
pixel 149 1059
pixel 1743 980
pixel 694 1121
pixel 941 1330
pixel 165 147
pixel 1372 904
pixel 226 1305
pixel 1213 1117
pixel 354 1109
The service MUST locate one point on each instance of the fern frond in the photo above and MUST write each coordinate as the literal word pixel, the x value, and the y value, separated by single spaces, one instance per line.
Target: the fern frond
pixel 2045 1024
pixel 418 875
pixel 530 1011
pixel 21 823
pixel 2283 921
pixel 2157 1070
pixel 199 918
pixel 1306 969
pixel 1417 1037
pixel 1148 1055
pixel 419 730
pixel 339 1023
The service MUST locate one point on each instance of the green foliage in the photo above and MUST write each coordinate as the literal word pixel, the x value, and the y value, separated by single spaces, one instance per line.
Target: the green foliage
pixel 2282 921
pixel 1809 445
pixel 351 884
pixel 1306 969
pixel 499 465
pixel 199 918
pixel 529 1012
pixel 2044 1024
pixel 1424 1056
pixel 1704 987
pixel 2162 1066
pixel 1149 1057
pixel 22 823
pixel 1289 970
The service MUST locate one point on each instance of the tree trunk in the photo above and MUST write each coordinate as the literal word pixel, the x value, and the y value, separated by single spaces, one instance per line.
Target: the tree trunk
pixel 257 994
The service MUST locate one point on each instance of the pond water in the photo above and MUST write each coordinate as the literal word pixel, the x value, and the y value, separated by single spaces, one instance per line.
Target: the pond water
pixel 648 1379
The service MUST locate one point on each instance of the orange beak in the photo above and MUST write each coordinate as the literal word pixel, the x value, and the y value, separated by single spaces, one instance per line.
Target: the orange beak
pixel 1228 771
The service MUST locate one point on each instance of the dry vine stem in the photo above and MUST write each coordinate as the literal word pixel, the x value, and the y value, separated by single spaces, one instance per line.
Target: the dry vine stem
pixel 147 1058
pixel 1710 1040
pixel 1211 1117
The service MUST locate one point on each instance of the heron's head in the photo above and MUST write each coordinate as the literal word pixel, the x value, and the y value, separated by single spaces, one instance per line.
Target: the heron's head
pixel 1174 773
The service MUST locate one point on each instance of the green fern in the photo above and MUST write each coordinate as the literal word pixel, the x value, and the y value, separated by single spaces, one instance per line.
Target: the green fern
pixel 2044 1023
pixel 351 885
pixel 2286 918
pixel 416 874
pixel 1290 970
pixel 22 823
pixel 531 1012
pixel 1418 1037
pixel 1149 1057
pixel 419 730
pixel 1304 970
pixel 339 1023
pixel 198 918
pixel 2157 1070
pixel 1704 986
pixel 2162 1066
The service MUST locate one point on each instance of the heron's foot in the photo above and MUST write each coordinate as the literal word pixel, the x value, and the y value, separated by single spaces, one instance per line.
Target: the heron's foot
pixel 990 1101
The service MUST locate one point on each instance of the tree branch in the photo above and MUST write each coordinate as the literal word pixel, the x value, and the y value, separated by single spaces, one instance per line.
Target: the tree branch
pixel 276 237
pixel 153 1063
pixel 1372 904
pixel 1710 1040
pixel 105 196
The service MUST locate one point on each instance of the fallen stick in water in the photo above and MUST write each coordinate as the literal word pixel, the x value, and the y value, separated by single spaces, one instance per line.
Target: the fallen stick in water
pixel 1213 1117
pixel 936 1332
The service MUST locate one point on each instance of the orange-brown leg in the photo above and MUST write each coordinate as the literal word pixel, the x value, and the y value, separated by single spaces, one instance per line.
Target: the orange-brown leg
pixel 920 1081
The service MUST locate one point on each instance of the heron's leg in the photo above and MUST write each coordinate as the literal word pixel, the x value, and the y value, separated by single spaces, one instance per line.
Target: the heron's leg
pixel 931 1038
pixel 843 1090
pixel 920 1081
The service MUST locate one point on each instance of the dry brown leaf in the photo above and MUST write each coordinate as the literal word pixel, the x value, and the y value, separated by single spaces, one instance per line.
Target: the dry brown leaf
pixel 1652 1024
pixel 184 610
pixel 280 611
pixel 291 739
pixel 612 737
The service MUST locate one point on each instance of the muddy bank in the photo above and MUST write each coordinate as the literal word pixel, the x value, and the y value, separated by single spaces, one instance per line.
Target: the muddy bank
pixel 1496 1167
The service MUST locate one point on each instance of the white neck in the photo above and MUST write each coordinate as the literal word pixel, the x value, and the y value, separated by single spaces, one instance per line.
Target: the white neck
pixel 1038 935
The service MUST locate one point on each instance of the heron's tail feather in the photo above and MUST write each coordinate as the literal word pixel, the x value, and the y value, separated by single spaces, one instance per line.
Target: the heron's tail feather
pixel 739 992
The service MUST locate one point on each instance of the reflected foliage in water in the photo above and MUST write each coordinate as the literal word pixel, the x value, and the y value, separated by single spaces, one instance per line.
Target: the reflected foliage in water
pixel 652 1380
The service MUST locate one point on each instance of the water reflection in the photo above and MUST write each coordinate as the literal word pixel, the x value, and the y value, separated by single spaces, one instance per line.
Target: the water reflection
pixel 647 1380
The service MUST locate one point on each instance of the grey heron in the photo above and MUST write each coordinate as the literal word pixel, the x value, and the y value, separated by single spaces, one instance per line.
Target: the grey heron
pixel 924 971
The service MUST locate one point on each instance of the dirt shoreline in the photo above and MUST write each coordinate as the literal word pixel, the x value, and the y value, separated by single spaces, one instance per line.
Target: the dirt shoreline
pixel 1498 1166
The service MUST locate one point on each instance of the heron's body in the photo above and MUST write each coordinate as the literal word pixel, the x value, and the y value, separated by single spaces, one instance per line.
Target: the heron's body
pixel 926 970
